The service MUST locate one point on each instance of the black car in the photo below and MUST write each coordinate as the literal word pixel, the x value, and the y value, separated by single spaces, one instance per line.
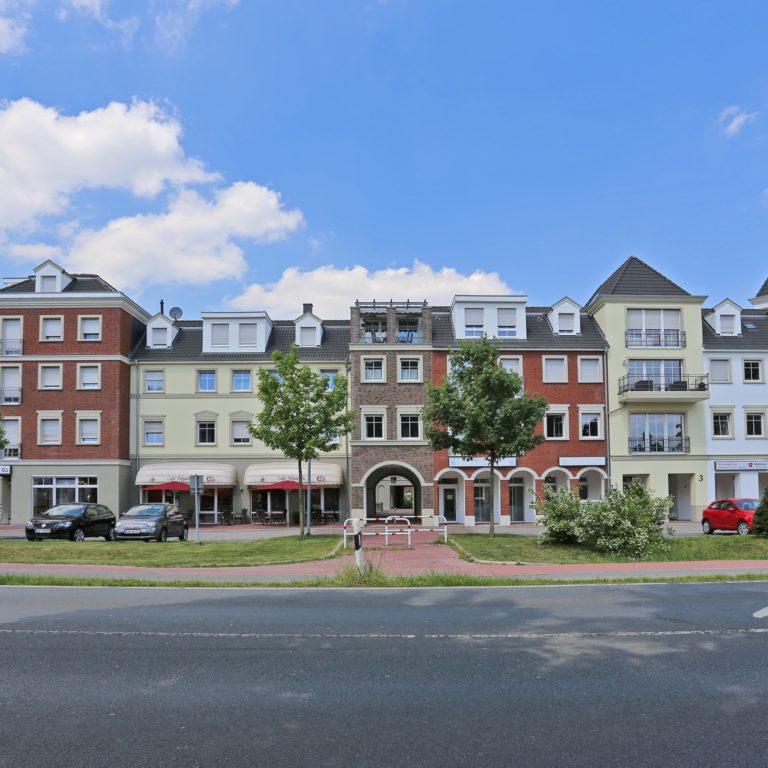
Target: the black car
pixel 72 521
pixel 151 522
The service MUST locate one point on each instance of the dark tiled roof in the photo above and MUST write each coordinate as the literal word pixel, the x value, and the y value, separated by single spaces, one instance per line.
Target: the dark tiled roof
pixel 764 290
pixel 188 345
pixel 635 278
pixel 750 339
pixel 79 284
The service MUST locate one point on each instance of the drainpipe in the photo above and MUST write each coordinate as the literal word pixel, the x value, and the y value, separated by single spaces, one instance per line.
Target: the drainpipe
pixel 607 420
pixel 347 483
pixel 137 433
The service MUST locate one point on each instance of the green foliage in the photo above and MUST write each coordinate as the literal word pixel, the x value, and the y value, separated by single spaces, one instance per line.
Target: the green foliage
pixel 626 523
pixel 300 416
pixel 760 520
pixel 480 409
pixel 3 439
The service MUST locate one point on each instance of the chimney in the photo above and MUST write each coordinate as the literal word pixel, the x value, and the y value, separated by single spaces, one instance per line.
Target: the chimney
pixel 162 306
pixel 307 309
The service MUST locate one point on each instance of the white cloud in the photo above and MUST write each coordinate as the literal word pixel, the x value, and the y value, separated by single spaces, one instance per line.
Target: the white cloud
pixel 175 22
pixel 14 18
pixel 33 252
pixel 193 242
pixel 46 157
pixel 97 10
pixel 733 119
pixel 333 290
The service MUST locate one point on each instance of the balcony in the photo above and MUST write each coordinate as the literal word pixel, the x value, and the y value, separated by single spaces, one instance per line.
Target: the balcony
pixel 10 347
pixel 659 445
pixel 11 451
pixel 10 395
pixel 370 336
pixel 655 339
pixel 678 388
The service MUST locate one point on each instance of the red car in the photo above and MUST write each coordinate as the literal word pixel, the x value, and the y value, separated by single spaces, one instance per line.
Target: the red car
pixel 729 515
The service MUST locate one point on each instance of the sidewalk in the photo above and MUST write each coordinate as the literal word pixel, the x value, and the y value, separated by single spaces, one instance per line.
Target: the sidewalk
pixel 424 558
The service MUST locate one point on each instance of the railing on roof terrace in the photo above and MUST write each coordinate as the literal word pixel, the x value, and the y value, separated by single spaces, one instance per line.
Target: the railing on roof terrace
pixel 10 395
pixel 10 347
pixel 689 382
pixel 659 445
pixel 636 337
pixel 382 337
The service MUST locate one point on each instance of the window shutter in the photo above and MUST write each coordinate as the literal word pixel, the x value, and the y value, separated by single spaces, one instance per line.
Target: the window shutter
pixel 89 432
pixel 51 377
pixel 307 336
pixel 49 430
pixel 718 370
pixel 566 322
pixel 249 334
pixel 473 316
pixel 159 337
pixel 219 334
pixel 89 376
pixel 240 432
pixel 507 318
pixel 52 328
pixel 89 327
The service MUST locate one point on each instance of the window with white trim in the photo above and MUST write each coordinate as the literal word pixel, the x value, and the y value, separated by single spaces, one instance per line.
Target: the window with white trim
pixel 51 329
pixel 590 369
pixel 159 337
pixel 10 384
pixel 755 423
pixel 473 322
pixel 240 433
pixel 88 428
pixel 720 371
pixel 409 369
pixel 555 369
pixel 566 322
pixel 753 371
pixel 506 322
pixel 154 381
pixel 219 334
pixel 410 426
pixel 722 424
pixel 373 426
pixel 49 377
pixel 206 381
pixel 307 336
pixel 248 334
pixel 512 364
pixel 653 328
pixel 556 423
pixel 12 427
pixel 88 376
pixel 48 283
pixel 590 423
pixel 154 432
pixel 49 427
pixel 241 381
pixel 206 432
pixel 89 328
pixel 727 325
pixel 373 369
pixel 330 378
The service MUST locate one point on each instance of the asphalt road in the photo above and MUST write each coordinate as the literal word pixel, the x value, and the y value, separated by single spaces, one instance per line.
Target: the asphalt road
pixel 646 675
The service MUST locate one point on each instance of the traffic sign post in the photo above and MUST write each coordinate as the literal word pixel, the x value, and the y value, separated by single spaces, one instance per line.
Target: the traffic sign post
pixel 196 488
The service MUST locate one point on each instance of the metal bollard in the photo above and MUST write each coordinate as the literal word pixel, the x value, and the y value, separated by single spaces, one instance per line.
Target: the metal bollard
pixel 357 526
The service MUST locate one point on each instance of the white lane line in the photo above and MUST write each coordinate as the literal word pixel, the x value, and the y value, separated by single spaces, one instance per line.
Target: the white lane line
pixel 761 614
pixel 384 636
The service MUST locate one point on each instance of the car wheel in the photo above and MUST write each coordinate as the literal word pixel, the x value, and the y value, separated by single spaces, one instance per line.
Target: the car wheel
pixel 742 528
pixel 110 533
pixel 163 535
pixel 78 535
pixel 184 535
pixel 706 527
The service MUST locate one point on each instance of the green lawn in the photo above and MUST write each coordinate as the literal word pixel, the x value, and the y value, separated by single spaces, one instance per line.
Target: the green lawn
pixel 524 549
pixel 284 549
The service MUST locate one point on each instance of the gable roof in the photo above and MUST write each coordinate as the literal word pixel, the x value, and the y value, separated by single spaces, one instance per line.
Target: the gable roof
pixel 79 284
pixel 764 290
pixel 635 278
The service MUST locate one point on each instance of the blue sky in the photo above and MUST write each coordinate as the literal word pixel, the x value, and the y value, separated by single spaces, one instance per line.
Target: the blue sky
pixel 260 154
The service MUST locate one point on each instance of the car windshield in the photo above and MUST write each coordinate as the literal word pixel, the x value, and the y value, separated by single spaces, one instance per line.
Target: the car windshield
pixel 64 510
pixel 145 510
pixel 747 503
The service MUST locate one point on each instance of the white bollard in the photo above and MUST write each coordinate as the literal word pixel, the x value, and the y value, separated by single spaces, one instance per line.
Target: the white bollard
pixel 357 526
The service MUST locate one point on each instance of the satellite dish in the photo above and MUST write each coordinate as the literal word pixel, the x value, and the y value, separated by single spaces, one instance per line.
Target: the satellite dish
pixel 175 312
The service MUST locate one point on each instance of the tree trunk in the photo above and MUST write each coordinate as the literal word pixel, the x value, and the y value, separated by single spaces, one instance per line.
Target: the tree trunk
pixel 491 496
pixel 301 506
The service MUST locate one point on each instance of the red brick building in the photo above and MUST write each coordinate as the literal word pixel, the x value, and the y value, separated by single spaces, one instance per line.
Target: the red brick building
pixel 65 347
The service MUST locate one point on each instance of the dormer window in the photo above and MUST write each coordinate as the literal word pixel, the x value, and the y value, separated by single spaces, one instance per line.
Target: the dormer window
pixel 566 322
pixel 248 334
pixel 507 322
pixel 159 337
pixel 727 325
pixel 473 323
pixel 219 334
pixel 48 284
pixel 307 336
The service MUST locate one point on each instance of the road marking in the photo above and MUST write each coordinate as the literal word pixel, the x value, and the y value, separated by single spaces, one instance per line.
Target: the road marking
pixel 385 636
pixel 761 614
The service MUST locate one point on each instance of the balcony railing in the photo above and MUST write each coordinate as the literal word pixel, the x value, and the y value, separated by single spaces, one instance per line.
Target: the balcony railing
pixel 659 445
pixel 382 337
pixel 690 382
pixel 11 451
pixel 10 395
pixel 655 338
pixel 10 347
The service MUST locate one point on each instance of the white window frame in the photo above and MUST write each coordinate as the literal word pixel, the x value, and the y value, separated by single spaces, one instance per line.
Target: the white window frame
pixel 5 343
pixel 544 359
pixel 223 344
pixel 250 382
pixel 584 358
pixel 761 362
pixel 589 409
pixel 519 358
pixel 419 373
pixel 409 410
pixel 18 397
pixel 240 444
pixel 727 361
pixel 161 371
pixel 81 416
pixel 750 410
pixel 382 360
pixel 566 331
pixel 724 332
pixel 251 326
pixel 11 445
pixel 373 411
pixel 330 374
pixel 503 329
pixel 81 332
pixel 558 410
pixel 215 373
pixel 723 410
pixel 206 420
pixel 306 329
pixel 40 376
pixel 56 339
pixel 474 330
pixel 152 420
pixel 80 367
pixel 155 344
pixel 48 416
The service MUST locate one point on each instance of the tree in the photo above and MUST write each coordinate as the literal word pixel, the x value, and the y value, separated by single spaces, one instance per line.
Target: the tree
pixel 480 409
pixel 3 439
pixel 301 413
pixel 760 520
